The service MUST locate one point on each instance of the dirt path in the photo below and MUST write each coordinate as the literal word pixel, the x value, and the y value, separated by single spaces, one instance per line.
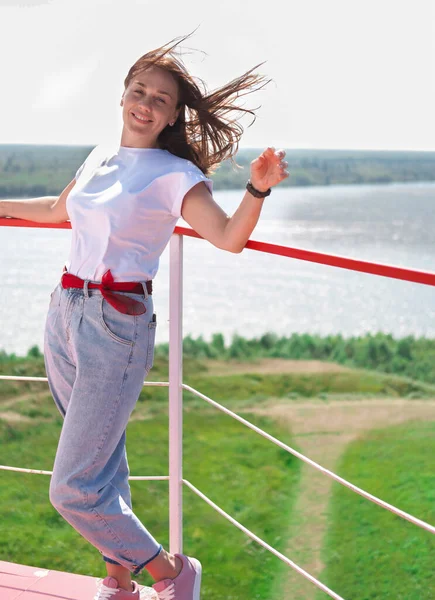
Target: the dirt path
pixel 23 398
pixel 11 416
pixel 273 366
pixel 323 431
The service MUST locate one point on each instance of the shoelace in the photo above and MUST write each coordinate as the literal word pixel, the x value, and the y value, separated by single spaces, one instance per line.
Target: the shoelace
pixel 105 593
pixel 168 593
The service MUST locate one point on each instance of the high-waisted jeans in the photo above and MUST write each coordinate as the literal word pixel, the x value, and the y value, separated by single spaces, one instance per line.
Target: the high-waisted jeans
pixel 96 360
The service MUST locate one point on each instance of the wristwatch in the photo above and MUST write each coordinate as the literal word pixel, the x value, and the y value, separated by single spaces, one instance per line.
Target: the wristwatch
pixel 251 189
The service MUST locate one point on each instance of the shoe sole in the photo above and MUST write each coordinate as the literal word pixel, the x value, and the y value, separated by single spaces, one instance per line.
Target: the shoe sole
pixel 197 585
pixel 145 593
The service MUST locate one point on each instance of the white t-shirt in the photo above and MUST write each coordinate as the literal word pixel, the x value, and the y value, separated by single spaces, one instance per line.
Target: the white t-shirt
pixel 123 210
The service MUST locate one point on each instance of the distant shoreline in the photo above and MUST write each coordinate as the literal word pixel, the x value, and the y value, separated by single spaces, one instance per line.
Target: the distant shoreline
pixel 282 185
pixel 409 357
pixel 295 187
pixel 28 171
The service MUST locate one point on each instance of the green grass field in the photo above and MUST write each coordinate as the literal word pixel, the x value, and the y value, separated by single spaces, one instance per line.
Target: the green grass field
pixel 370 553
pixel 356 383
pixel 250 478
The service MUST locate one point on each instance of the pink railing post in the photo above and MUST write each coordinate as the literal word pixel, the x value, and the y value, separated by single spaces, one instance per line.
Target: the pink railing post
pixel 176 386
pixel 176 394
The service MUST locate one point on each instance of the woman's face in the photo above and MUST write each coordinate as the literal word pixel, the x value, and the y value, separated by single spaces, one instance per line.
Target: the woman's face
pixel 149 105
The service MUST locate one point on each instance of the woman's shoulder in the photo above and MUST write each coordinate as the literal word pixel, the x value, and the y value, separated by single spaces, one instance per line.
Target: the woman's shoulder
pixel 179 164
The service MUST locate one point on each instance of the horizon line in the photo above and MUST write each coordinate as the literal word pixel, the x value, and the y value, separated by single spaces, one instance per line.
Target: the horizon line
pixel 243 148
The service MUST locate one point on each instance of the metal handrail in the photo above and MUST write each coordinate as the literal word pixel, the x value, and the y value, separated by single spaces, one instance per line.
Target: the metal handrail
pixel 176 385
pixel 332 260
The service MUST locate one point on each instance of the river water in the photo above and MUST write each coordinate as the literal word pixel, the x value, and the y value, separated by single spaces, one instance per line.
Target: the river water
pixel 252 293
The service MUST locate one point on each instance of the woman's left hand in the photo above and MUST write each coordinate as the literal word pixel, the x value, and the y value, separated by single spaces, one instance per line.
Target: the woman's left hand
pixel 268 169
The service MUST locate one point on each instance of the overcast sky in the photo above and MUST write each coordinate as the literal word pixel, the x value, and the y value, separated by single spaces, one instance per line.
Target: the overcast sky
pixel 346 73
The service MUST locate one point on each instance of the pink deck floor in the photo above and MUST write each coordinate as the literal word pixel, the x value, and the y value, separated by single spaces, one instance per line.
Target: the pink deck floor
pixel 33 583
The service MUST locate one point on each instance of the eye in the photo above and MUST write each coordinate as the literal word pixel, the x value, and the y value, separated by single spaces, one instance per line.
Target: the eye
pixel 138 91
pixel 161 100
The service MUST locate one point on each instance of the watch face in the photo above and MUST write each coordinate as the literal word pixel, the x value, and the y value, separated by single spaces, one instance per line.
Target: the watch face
pixel 255 192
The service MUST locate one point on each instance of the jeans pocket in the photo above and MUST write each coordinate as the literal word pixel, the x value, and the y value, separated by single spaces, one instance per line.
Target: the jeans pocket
pixel 120 327
pixel 54 298
pixel 152 325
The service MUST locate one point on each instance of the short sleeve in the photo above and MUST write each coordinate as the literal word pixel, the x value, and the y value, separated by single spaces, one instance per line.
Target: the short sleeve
pixel 80 169
pixel 186 181
pixel 83 165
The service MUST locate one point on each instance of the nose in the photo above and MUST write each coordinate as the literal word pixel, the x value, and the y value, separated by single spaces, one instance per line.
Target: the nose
pixel 145 103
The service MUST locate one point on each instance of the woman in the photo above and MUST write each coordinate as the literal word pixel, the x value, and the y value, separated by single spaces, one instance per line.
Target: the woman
pixel 99 339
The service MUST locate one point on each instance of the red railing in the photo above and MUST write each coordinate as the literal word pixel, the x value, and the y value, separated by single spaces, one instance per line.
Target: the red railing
pixel 176 384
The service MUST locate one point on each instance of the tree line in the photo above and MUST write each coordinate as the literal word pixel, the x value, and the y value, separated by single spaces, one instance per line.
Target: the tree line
pixel 411 356
pixel 44 170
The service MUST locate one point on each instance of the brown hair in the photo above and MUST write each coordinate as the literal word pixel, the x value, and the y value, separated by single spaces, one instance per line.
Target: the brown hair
pixel 206 131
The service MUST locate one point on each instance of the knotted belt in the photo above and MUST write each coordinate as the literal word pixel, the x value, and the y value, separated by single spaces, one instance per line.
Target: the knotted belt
pixel 124 304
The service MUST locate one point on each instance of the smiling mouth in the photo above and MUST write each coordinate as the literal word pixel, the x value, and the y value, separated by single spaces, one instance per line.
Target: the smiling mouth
pixel 141 120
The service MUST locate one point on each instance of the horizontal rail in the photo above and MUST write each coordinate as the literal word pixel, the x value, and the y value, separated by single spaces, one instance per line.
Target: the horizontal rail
pixel 342 262
pixel 389 271
pixel 351 486
pixel 364 494
pixel 40 472
pixel 13 222
pixel 333 260
pixel 263 543
pixel 22 378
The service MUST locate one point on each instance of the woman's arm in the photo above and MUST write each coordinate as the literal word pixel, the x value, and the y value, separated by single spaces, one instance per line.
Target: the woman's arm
pixel 208 219
pixel 33 209
pixel 48 209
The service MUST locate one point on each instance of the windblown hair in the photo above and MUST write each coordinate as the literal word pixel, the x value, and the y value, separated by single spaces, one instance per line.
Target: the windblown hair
pixel 206 131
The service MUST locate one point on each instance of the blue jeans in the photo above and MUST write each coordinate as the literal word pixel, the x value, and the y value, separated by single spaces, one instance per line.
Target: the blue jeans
pixel 96 360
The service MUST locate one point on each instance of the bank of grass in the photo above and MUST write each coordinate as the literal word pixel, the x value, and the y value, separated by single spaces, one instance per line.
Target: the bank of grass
pixel 239 388
pixel 299 385
pixel 369 552
pixel 250 478
pixel 246 475
pixel 411 357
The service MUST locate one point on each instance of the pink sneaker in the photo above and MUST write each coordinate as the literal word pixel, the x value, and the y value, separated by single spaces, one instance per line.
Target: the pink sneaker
pixel 108 590
pixel 187 584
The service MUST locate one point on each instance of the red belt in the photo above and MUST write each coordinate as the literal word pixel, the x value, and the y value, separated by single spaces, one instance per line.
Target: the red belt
pixel 123 304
